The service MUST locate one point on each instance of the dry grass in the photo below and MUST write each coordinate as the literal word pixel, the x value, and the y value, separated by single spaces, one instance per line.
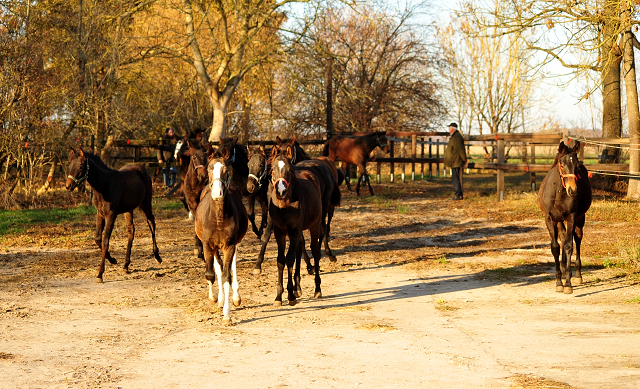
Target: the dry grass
pixel 526 381
pixel 376 327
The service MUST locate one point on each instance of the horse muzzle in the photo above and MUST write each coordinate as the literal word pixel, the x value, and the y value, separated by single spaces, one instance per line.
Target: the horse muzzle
pixel 281 186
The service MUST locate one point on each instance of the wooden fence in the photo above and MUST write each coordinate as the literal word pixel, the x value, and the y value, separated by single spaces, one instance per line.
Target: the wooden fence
pixel 425 154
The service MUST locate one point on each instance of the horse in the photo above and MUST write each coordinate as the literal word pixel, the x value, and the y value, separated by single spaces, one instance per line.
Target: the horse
pixel 221 223
pixel 257 185
pixel 295 205
pixel 195 181
pixel 565 198
pixel 115 192
pixel 356 151
pixel 328 177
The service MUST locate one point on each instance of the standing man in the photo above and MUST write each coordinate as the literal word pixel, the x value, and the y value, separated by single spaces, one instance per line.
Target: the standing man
pixel 165 156
pixel 455 157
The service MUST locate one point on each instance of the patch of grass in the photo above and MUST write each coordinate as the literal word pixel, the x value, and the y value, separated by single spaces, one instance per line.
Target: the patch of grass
pixel 629 250
pixel 441 305
pixel 527 381
pixel 403 209
pixel 610 263
pixel 614 211
pixel 635 300
pixel 12 222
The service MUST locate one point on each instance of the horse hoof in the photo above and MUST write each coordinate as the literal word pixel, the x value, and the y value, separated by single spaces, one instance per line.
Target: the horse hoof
pixel 126 270
pixel 568 290
pixel 98 280
pixel 157 256
pixel 195 252
pixel 112 260
pixel 226 321
pixel 236 303
pixel 577 281
pixel 277 303
pixel 220 303
pixel 317 295
pixel 559 288
pixel 333 258
pixel 297 293
pixel 311 272
pixel 293 302
pixel 257 271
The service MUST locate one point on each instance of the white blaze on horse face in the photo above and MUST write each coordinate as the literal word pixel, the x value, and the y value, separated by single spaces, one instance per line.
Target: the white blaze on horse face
pixel 177 150
pixel 280 185
pixel 217 189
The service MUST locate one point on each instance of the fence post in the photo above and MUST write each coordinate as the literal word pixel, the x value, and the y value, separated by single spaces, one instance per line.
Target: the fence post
pixel 437 156
pixel 532 174
pixel 565 136
pixel 500 172
pixel 422 156
pixel 414 144
pixel 378 171
pixel 430 164
pixel 391 155
pixel 402 164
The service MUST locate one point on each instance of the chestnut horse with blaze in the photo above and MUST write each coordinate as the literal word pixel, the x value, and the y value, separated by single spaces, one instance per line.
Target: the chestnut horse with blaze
pixel 565 198
pixel 221 223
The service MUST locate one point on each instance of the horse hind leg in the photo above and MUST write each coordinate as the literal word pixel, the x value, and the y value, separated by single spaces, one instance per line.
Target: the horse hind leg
pixel 151 222
pixel 266 236
pixel 131 230
pixel 347 174
pixel 316 239
pixel 327 249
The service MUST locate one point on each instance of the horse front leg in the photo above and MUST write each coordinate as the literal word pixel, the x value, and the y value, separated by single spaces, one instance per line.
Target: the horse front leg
pixel 281 241
pixel 265 240
pixel 295 237
pixel 567 251
pixel 555 250
pixel 131 230
pixel 98 237
pixel 151 222
pixel 209 275
pixel 108 228
pixel 307 259
pixel 577 236
pixel 251 214
pixel 296 278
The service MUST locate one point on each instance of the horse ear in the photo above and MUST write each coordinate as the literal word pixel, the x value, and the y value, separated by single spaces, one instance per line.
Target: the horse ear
pixel 278 140
pixel 81 152
pixel 274 151
pixel 562 147
pixel 289 152
pixel 261 148
pixel 576 146
pixel 72 153
pixel 225 153
pixel 293 140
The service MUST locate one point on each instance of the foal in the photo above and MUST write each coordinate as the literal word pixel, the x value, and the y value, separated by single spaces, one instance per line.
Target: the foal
pixel 195 181
pixel 115 192
pixel 564 198
pixel 295 205
pixel 221 223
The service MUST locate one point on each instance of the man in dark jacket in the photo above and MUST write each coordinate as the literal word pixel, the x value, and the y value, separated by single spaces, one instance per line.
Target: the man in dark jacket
pixel 165 155
pixel 455 157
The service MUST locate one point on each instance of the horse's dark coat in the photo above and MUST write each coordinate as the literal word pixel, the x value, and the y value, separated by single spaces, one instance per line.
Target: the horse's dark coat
pixel 564 198
pixel 115 192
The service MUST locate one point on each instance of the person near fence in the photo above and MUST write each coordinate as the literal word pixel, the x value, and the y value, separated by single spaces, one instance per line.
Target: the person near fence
pixel 455 157
pixel 165 155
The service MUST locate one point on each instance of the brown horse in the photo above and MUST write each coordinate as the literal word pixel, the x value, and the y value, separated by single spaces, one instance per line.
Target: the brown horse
pixel 295 205
pixel 564 198
pixel 257 185
pixel 115 192
pixel 221 223
pixel 329 179
pixel 355 151
pixel 195 181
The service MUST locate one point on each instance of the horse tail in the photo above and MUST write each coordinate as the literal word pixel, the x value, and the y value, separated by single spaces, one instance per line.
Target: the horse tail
pixel 340 175
pixel 336 196
pixel 325 150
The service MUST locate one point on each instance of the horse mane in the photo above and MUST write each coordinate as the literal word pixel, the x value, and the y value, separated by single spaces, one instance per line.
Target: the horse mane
pixel 96 159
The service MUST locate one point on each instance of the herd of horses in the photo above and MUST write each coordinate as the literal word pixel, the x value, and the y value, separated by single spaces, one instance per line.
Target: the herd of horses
pixel 295 193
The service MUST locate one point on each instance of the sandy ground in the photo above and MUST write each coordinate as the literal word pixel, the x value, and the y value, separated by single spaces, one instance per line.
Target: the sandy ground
pixel 425 293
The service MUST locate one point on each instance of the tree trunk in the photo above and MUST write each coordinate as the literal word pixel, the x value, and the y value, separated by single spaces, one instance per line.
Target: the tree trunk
pixel 219 121
pixel 629 69
pixel 611 106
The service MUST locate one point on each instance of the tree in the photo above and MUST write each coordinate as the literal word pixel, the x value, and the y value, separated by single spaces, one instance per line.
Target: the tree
pixel 382 74
pixel 490 79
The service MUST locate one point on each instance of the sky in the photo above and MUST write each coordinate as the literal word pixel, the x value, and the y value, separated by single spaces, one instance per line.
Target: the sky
pixel 565 108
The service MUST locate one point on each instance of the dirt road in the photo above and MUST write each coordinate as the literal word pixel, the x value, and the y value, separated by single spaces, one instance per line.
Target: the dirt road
pixel 425 294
